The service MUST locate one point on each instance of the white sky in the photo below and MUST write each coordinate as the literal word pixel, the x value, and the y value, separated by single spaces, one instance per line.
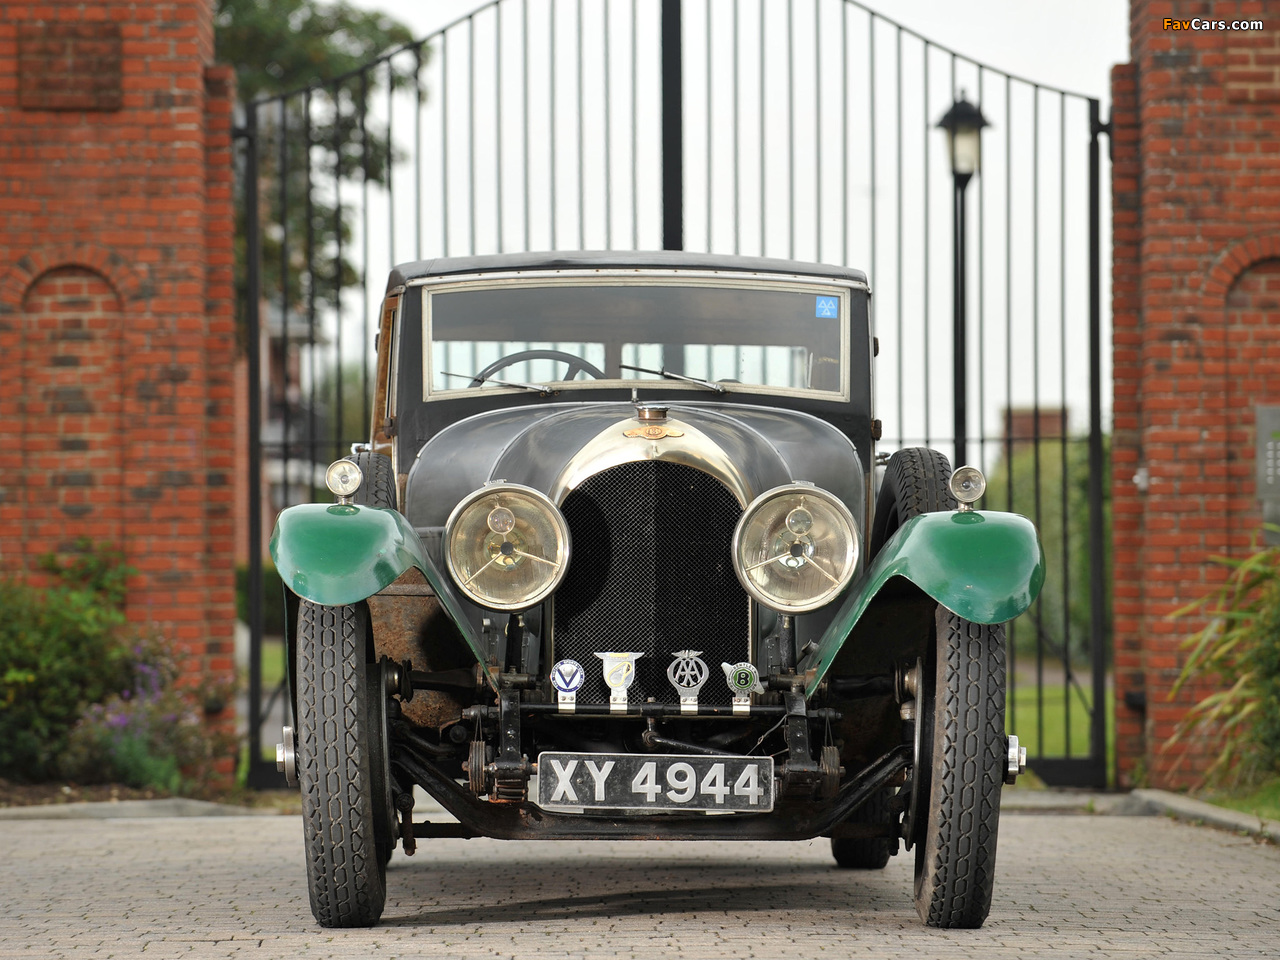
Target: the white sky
pixel 1026 274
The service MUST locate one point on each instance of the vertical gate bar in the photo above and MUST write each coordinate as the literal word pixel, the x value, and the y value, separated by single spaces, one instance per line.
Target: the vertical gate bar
pixel 471 132
pixel 672 128
pixel 1097 560
pixel 1062 413
pixel 871 147
pixel 901 351
pixel 817 125
pixel 551 104
pixel 391 179
pixel 608 141
pixel 283 173
pixel 337 267
pixel 311 293
pixel 582 196
pixel 982 307
pixel 959 364
pixel 524 93
pixel 444 144
pixel 497 99
pixel 253 334
pixel 1008 373
pixel 844 133
pixel 737 226
pixel 1035 384
pixel 417 152
pixel 710 106
pixel 761 61
pixel 635 129
pixel 364 249
pixel 928 208
pixel 791 132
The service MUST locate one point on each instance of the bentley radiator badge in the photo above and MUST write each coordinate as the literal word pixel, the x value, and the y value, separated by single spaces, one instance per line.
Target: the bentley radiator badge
pixel 619 674
pixel 687 673
pixel 653 431
pixel 743 679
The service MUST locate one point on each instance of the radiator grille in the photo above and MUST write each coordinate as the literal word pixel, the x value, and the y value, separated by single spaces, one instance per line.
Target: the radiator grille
pixel 651 572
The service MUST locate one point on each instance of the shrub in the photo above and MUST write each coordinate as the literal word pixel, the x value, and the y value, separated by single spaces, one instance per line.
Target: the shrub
pixel 60 648
pixel 1239 651
pixel 149 734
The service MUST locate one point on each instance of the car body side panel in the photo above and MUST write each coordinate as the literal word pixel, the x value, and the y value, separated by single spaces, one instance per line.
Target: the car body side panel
pixel 983 566
pixel 338 553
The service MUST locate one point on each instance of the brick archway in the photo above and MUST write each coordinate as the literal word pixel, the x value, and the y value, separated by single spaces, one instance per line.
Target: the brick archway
pixel 1234 262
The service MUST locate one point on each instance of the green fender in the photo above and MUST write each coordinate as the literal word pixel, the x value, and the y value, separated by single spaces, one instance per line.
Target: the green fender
pixel 984 566
pixel 340 553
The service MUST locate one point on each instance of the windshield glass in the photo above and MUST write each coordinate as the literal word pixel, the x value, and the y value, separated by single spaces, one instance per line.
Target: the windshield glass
pixel 573 335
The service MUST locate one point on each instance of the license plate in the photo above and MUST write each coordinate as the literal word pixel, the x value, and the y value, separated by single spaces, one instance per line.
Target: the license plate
pixel 626 781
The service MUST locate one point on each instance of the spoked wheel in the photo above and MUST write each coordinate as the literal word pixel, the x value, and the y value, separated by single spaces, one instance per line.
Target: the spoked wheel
pixel 348 819
pixel 956 782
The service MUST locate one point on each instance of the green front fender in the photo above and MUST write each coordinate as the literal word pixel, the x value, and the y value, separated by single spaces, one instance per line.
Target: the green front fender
pixel 985 567
pixel 342 553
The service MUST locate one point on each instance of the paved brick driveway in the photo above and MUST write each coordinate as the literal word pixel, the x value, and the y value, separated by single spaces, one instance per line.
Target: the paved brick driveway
pixel 1068 886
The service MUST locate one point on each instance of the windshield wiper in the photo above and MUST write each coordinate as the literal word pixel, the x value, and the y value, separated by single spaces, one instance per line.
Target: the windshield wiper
pixel 541 389
pixel 668 375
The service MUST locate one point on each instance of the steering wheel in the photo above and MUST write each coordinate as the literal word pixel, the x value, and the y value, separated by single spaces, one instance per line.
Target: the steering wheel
pixel 576 364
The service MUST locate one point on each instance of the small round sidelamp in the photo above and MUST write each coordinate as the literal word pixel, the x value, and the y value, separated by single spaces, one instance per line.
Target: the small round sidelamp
pixel 507 546
pixel 968 485
pixel 795 548
pixel 343 478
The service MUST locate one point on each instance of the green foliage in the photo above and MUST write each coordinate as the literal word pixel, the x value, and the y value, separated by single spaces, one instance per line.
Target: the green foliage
pixel 273 616
pixel 279 46
pixel 59 649
pixel 1034 487
pixel 150 734
pixel 1239 652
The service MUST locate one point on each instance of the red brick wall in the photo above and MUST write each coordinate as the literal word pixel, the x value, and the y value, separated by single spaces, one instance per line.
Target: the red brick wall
pixel 116 324
pixel 1196 199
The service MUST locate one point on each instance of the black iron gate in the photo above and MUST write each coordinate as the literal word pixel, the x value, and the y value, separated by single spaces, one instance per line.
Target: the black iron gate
pixel 805 130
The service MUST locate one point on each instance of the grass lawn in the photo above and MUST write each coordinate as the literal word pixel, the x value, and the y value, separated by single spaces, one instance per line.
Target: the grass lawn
pixel 1261 801
pixel 1040 719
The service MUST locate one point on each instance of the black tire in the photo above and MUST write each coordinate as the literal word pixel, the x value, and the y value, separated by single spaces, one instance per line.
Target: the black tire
pixel 378 489
pixel 915 482
pixel 868 853
pixel 964 740
pixel 341 767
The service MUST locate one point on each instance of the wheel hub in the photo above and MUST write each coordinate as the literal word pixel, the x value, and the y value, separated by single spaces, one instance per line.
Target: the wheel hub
pixel 1016 761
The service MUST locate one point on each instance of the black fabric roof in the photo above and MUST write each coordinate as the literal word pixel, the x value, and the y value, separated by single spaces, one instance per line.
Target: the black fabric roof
pixel 615 260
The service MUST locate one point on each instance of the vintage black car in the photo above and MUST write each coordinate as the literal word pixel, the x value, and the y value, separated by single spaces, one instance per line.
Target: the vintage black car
pixel 614 564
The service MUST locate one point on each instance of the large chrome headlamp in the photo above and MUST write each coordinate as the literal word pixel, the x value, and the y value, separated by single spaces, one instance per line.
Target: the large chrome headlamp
pixel 506 546
pixel 795 548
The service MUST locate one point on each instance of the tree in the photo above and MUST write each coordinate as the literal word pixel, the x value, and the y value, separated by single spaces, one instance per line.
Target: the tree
pixel 307 147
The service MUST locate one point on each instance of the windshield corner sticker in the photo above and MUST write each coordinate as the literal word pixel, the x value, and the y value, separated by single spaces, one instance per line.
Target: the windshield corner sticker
pixel 567 678
pixel 827 307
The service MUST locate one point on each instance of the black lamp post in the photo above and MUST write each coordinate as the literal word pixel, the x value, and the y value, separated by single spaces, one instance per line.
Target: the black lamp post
pixel 963 123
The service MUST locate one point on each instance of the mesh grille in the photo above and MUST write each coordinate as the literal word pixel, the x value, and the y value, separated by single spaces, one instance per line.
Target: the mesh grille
pixel 651 572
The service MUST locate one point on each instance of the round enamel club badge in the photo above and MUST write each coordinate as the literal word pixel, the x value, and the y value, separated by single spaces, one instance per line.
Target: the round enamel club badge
pixel 567 676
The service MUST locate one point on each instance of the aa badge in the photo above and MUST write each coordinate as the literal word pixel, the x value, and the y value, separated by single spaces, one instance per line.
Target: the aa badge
pixel 619 675
pixel 687 674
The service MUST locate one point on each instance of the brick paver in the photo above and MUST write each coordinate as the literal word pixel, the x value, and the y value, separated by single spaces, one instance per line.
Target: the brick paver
pixel 1067 886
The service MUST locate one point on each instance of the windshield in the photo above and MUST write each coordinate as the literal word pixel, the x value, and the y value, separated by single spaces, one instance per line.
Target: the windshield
pixel 518 334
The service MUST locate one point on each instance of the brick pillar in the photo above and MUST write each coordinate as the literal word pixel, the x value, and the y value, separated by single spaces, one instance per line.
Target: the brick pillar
pixel 1196 281
pixel 116 326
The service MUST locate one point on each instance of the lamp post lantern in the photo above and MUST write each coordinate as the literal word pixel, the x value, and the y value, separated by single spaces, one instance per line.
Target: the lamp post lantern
pixel 963 124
